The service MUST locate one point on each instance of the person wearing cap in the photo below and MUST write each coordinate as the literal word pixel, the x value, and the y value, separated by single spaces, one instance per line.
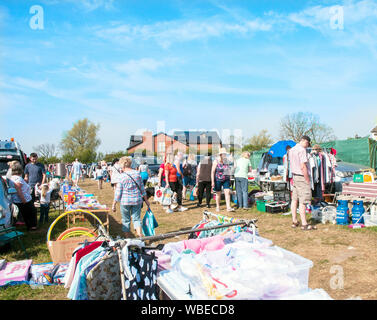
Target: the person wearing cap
pixel 301 193
pixel 220 178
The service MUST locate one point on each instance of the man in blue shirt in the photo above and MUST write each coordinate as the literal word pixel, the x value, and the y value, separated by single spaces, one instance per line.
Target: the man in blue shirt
pixel 34 173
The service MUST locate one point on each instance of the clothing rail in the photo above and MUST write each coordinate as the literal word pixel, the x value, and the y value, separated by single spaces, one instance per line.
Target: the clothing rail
pixel 246 223
pixel 221 218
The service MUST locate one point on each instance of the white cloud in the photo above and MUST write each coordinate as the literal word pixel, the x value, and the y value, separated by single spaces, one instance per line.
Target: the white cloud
pixel 87 5
pixel 167 32
pixel 144 64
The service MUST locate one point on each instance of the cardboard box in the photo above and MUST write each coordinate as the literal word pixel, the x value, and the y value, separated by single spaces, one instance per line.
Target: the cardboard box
pixel 61 250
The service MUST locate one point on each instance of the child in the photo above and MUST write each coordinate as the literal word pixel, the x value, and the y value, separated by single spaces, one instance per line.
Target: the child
pixel 99 176
pixel 45 195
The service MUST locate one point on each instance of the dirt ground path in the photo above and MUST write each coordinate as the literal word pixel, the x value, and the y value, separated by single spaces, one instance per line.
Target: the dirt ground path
pixel 344 260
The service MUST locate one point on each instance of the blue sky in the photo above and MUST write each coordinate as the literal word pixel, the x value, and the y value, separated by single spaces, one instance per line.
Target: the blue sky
pixel 218 64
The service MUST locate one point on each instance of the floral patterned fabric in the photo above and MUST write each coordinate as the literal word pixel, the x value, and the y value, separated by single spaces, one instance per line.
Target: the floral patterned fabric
pixel 104 281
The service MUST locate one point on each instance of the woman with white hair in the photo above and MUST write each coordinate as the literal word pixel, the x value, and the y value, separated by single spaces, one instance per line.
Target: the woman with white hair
pixel 130 193
pixel 22 199
pixel 243 167
pixel 220 177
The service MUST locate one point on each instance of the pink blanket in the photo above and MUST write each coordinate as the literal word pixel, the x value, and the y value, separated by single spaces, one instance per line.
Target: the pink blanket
pixel 15 271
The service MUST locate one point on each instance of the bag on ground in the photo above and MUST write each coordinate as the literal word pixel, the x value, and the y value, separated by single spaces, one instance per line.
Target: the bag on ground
pixel 158 193
pixel 166 197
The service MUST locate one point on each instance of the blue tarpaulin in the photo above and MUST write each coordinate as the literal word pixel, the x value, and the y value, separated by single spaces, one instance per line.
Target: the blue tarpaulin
pixel 279 149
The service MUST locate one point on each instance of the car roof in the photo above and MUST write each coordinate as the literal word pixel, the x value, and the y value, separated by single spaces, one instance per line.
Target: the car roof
pixel 347 166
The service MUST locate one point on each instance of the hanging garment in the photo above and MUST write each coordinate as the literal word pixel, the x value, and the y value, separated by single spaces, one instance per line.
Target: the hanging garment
pixel 87 249
pixel 77 290
pixel 71 269
pixel 322 171
pixel 103 280
pixel 211 233
pixel 313 170
pixel 143 283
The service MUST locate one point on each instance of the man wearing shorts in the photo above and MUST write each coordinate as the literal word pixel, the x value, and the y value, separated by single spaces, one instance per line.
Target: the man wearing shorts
pixel 302 192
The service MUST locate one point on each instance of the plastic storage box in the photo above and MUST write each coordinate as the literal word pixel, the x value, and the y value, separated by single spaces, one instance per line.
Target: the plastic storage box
pixel 277 207
pixel 176 289
pixel 369 220
pixel 301 267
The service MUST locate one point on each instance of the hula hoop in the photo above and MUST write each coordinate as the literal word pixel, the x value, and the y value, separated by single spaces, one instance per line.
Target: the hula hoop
pixel 66 213
pixel 78 234
pixel 64 234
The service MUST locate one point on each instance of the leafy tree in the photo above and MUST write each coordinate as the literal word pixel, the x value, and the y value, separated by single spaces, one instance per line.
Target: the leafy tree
pixel 294 126
pixel 81 142
pixel 258 141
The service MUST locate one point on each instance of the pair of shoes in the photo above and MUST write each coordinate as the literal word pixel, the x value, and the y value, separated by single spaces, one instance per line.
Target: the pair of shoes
pixel 230 210
pixel 169 210
pixel 208 206
pixel 181 209
pixel 198 205
pixel 217 209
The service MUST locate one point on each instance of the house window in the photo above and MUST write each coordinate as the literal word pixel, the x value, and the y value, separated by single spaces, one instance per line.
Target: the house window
pixel 161 147
pixel 209 140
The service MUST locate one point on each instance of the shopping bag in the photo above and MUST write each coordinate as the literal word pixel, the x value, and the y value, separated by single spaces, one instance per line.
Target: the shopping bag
pixel 149 224
pixel 195 191
pixel 166 197
pixel 158 193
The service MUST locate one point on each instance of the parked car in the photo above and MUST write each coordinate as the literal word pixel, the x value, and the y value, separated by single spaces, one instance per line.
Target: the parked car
pixel 10 151
pixel 153 163
pixel 5 203
pixel 344 173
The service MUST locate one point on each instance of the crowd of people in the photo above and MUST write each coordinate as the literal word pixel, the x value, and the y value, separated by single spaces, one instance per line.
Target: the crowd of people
pixel 180 173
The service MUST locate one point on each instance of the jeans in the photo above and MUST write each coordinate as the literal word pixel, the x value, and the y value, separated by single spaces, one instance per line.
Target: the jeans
pixel 242 194
pixel 129 212
pixel 45 208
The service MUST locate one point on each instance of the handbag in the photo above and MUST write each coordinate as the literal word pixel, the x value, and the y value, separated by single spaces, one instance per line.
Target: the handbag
pixel 195 191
